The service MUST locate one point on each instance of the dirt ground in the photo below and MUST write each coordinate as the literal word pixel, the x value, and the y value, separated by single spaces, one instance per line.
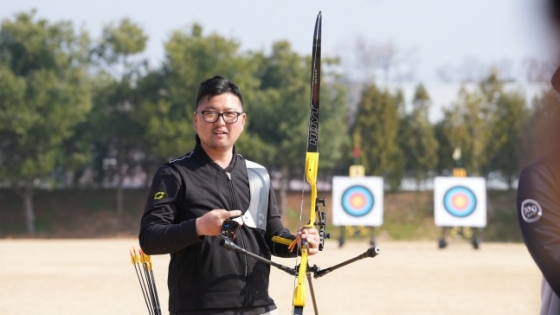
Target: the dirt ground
pixel 96 276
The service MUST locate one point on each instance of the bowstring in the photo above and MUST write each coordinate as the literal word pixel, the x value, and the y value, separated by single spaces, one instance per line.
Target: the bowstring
pixel 304 184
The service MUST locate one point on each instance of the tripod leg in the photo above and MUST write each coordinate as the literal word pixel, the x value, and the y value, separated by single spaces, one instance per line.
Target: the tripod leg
pixel 372 236
pixel 475 240
pixel 309 280
pixel 442 243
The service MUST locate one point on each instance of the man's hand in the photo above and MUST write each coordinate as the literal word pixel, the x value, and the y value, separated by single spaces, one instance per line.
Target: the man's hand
pixel 210 224
pixel 312 237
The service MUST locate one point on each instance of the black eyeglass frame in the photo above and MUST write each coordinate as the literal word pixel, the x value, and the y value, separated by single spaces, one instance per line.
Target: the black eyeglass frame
pixel 203 112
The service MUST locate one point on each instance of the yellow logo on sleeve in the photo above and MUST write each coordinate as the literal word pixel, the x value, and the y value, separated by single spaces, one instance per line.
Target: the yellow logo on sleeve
pixel 159 195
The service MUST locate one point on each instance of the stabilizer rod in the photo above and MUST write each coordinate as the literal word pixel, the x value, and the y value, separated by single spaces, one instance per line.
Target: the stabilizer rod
pixel 371 252
pixel 230 245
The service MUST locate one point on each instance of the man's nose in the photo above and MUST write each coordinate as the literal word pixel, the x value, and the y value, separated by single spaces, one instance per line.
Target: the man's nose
pixel 221 119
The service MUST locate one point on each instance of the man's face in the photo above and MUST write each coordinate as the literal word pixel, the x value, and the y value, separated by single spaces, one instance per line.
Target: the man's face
pixel 218 136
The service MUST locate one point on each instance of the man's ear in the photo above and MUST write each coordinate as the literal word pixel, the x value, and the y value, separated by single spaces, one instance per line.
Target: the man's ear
pixel 244 117
pixel 195 121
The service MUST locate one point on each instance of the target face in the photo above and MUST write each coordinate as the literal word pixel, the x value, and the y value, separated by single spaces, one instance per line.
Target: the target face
pixel 357 201
pixel 459 201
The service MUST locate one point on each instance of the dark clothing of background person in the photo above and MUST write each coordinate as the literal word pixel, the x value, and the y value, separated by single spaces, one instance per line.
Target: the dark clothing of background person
pixel 538 205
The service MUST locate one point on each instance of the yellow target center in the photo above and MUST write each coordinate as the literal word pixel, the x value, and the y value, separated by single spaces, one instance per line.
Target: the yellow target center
pixel 358 201
pixel 460 202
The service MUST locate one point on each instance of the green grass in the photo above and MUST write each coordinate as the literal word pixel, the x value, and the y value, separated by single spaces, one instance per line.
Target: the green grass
pixel 91 213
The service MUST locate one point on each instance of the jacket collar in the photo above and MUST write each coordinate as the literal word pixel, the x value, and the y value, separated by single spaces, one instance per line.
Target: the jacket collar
pixel 199 150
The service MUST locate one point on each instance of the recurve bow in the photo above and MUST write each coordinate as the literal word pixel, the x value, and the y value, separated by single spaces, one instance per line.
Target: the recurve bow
pixel 311 164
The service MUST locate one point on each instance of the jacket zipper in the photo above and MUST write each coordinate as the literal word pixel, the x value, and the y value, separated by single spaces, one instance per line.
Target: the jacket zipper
pixel 232 192
pixel 239 235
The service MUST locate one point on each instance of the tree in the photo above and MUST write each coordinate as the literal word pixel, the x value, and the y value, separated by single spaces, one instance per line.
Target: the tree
pixel 44 94
pixel 377 124
pixel 385 62
pixel 476 124
pixel 507 135
pixel 538 70
pixel 445 147
pixel 468 128
pixel 282 116
pixel 418 139
pixel 116 133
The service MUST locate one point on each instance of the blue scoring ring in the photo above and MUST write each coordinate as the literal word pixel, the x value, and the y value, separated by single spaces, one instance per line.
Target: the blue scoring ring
pixel 456 192
pixel 357 192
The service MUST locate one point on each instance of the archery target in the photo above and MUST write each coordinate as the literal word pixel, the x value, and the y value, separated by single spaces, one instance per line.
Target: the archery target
pixel 460 201
pixel 357 201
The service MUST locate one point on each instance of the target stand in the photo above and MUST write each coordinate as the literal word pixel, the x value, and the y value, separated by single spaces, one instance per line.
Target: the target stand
pixel 465 232
pixel 460 208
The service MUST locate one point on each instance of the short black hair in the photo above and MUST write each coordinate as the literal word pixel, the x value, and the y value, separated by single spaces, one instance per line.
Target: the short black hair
pixel 215 86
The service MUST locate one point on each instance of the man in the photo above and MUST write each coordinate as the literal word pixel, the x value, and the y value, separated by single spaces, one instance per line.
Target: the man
pixel 191 197
pixel 538 205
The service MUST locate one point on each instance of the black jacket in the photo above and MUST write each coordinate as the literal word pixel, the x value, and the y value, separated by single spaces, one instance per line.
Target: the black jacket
pixel 538 211
pixel 204 278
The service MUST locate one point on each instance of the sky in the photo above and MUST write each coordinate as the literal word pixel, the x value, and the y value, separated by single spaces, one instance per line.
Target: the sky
pixel 441 33
pixel 434 34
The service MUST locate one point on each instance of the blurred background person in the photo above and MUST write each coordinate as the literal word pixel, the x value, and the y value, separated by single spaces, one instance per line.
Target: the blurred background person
pixel 538 194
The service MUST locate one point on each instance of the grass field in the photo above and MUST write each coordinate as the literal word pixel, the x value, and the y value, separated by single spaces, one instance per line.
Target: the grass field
pixel 89 213
pixel 95 276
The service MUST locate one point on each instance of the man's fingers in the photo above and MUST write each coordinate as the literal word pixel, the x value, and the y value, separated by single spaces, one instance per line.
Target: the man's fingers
pixel 234 213
pixel 311 236
pixel 211 222
pixel 306 232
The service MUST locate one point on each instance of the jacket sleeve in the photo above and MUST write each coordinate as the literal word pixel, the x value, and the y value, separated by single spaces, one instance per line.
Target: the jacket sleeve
pixel 278 238
pixel 160 231
pixel 538 211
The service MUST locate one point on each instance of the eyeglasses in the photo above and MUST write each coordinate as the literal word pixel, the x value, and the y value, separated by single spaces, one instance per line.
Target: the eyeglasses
pixel 211 116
